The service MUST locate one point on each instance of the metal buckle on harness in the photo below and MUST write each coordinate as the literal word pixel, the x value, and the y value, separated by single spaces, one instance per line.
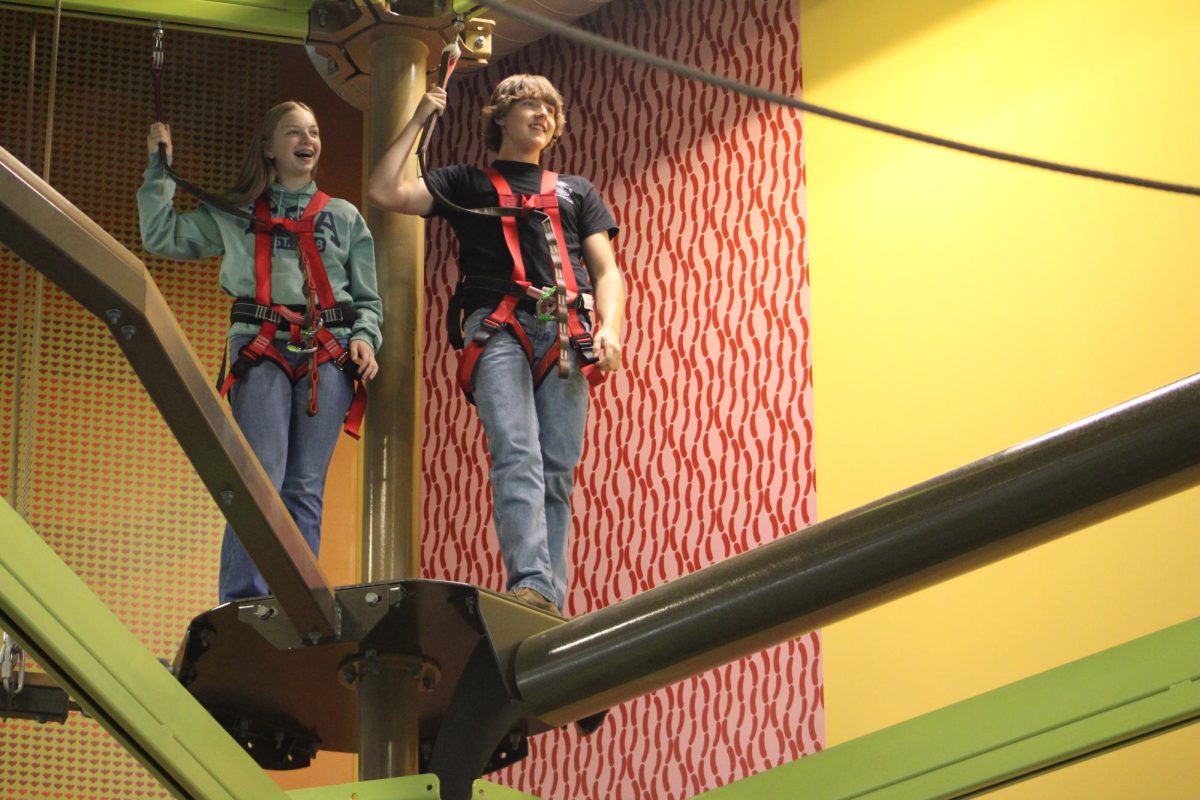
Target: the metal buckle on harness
pixel 307 344
pixel 487 328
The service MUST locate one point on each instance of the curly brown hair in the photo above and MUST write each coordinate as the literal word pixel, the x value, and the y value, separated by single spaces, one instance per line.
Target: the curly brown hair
pixel 515 88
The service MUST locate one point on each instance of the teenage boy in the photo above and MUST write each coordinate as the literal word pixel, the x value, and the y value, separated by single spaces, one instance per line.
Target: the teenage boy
pixel 534 429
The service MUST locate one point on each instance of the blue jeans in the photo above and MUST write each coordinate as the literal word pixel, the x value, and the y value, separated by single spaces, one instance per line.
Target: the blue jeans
pixel 535 440
pixel 293 448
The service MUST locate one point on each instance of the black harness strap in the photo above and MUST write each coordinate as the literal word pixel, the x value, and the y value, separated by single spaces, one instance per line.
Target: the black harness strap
pixel 249 310
pixel 216 201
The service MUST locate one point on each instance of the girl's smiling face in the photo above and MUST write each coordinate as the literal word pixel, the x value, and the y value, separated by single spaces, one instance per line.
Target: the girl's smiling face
pixel 295 146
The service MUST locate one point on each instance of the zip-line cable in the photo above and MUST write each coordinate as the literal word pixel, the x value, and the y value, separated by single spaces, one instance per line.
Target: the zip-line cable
pixel 693 73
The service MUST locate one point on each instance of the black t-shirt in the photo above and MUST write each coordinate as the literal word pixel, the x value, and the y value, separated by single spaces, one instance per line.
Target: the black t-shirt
pixel 482 249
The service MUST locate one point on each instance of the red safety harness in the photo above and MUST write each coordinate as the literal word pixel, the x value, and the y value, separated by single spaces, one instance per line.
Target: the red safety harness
pixel 572 333
pixel 308 332
pixel 562 302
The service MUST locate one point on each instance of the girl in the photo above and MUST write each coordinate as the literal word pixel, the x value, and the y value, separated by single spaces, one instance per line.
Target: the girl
pixel 306 281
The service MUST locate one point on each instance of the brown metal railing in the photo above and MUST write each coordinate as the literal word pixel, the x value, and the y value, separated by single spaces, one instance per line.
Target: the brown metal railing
pixel 45 229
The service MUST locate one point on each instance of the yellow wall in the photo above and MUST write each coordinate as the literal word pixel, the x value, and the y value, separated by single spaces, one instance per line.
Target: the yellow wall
pixel 962 305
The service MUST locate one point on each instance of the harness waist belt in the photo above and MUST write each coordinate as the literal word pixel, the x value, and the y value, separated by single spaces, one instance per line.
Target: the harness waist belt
pixel 480 291
pixel 248 310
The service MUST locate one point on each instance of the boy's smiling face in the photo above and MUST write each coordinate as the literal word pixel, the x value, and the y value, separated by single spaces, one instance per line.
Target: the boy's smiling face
pixel 528 125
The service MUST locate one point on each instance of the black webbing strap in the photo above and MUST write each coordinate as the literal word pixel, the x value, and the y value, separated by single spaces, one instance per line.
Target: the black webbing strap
pixel 249 310
pixel 216 201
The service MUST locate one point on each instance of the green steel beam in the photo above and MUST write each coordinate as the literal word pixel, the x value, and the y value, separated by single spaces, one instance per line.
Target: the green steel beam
pixel 277 20
pixel 77 640
pixel 493 791
pixel 1113 698
pixel 416 787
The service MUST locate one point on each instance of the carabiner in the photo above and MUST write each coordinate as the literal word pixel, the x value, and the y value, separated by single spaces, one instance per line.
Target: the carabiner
pixel 156 59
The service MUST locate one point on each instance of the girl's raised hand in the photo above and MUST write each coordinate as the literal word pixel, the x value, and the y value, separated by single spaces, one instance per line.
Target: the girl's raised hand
pixel 160 133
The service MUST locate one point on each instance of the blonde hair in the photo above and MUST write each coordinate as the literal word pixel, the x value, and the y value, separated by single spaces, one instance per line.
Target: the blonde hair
pixel 515 88
pixel 257 171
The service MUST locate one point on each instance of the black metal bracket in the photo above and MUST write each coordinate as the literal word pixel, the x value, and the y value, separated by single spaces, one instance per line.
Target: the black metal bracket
pixel 477 732
pixel 40 699
pixel 282 698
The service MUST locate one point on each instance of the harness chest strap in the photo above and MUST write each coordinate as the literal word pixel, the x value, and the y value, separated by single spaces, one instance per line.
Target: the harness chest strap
pixel 571 330
pixel 321 300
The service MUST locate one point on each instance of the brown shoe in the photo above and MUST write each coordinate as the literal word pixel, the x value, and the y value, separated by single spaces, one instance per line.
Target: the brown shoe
pixel 535 599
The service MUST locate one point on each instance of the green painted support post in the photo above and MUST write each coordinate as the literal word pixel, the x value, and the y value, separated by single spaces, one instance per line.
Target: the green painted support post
pixel 1115 697
pixel 485 790
pixel 75 638
pixel 412 787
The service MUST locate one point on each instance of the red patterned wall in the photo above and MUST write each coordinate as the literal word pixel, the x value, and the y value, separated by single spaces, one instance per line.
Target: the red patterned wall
pixel 702 446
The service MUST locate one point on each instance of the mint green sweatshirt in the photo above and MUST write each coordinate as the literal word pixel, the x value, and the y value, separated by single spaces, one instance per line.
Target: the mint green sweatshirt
pixel 341 233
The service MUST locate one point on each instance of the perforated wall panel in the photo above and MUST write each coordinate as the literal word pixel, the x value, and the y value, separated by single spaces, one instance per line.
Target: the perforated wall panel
pixel 107 485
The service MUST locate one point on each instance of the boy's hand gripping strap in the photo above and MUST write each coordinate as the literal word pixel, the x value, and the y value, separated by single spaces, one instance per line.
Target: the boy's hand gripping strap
pixel 449 59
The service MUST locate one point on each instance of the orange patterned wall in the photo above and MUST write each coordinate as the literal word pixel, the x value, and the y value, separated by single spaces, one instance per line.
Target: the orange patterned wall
pixel 109 488
pixel 702 446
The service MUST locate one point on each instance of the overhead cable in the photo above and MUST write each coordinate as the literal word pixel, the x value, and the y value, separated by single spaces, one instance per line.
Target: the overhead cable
pixel 694 73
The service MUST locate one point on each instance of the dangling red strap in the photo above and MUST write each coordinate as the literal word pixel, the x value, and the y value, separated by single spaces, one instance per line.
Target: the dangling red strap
pixel 358 407
pixel 263 239
pixel 314 377
pixel 550 207
pixel 590 371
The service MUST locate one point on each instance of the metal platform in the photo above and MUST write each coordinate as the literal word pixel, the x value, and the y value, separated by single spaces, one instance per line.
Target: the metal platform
pixel 284 699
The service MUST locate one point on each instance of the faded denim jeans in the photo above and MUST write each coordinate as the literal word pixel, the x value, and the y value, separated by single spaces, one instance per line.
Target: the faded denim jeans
pixel 535 440
pixel 294 449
